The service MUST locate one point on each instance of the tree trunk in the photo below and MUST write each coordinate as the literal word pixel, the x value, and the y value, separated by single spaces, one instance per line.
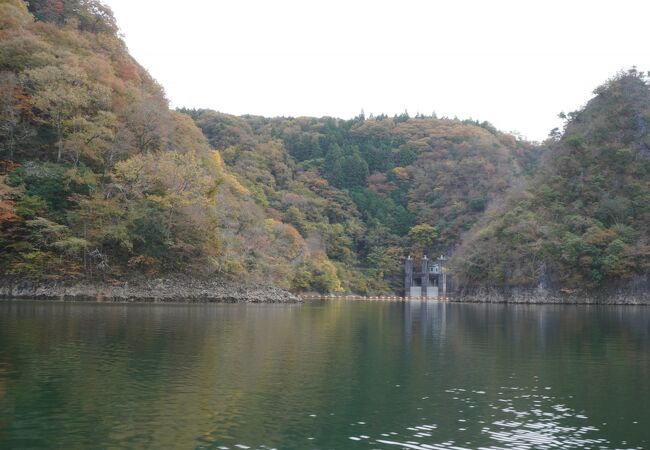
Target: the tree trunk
pixel 59 134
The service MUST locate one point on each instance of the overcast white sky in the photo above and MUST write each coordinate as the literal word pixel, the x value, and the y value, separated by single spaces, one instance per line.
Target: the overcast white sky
pixel 514 63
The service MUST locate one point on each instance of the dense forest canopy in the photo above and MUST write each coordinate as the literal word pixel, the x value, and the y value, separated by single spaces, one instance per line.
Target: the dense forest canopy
pixel 371 190
pixel 583 221
pixel 100 179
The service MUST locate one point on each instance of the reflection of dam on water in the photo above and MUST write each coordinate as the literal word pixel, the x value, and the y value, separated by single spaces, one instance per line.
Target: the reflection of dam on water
pixel 443 374
pixel 443 320
pixel 517 325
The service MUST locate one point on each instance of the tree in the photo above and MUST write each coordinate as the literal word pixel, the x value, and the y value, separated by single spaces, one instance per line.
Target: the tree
pixel 59 94
pixel 91 139
pixel 87 15
pixel 302 279
pixel 324 276
pixel 93 16
pixel 14 107
pixel 354 170
pixel 423 236
pixel 332 164
pixel 386 260
pixel 148 119
pixel 48 10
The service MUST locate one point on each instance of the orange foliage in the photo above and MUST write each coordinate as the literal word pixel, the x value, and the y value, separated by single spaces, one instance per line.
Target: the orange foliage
pixel 7 203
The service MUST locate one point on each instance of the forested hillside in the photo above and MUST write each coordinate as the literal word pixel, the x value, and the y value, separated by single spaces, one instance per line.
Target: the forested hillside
pixel 100 179
pixel 367 191
pixel 584 219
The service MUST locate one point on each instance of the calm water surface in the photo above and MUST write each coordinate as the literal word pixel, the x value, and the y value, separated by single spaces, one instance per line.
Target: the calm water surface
pixel 323 375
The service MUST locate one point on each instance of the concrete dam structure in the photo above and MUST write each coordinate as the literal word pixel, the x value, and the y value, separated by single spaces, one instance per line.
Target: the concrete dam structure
pixel 428 282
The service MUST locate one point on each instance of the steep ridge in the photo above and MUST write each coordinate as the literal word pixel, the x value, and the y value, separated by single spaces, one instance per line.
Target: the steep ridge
pixel 583 222
pixel 100 179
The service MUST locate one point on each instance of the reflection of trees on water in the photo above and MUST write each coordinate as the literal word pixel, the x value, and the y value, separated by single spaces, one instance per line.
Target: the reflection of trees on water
pixel 595 359
pixel 211 373
pixel 204 374
pixel 518 326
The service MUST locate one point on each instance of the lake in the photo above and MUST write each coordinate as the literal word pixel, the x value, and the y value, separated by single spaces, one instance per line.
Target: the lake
pixel 323 375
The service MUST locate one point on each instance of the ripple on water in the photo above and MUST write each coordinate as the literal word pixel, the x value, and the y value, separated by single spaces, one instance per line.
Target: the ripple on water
pixel 537 422
pixel 327 376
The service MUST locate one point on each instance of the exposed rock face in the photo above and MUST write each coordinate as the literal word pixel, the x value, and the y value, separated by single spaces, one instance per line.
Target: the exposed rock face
pixel 178 289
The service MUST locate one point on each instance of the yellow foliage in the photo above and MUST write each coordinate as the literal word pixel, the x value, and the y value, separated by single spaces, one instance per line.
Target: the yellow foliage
pixel 230 180
pixel 401 173
pixel 13 14
pixel 599 237
pixel 187 137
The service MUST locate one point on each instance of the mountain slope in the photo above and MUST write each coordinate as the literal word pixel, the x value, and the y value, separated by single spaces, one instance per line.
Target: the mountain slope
pixel 583 221
pixel 363 187
pixel 101 179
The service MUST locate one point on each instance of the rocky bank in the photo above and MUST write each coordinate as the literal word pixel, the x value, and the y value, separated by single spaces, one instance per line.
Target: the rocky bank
pixel 548 296
pixel 160 290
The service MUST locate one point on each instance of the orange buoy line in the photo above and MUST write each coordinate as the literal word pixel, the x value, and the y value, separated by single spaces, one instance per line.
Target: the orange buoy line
pixel 368 298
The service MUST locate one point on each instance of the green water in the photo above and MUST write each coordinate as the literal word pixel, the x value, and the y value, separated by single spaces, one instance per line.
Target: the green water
pixel 323 375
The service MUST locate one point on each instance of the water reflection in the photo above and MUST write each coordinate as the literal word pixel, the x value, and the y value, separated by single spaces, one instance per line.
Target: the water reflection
pixel 325 375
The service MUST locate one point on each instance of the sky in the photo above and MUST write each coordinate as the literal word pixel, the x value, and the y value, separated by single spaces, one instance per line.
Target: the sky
pixel 516 64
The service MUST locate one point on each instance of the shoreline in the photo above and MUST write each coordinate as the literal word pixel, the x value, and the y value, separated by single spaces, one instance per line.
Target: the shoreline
pixel 160 290
pixel 518 296
pixel 182 290
pixel 553 297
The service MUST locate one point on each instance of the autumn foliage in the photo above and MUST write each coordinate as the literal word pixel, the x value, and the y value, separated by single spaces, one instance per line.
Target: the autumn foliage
pixel 100 179
pixel 582 221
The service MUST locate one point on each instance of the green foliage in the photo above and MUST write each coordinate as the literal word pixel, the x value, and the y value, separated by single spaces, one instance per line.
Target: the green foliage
pixel 104 180
pixel 353 171
pixel 477 204
pixel 87 15
pixel 51 183
pixel 377 208
pixel 354 189
pixel 317 274
pixel 582 221
pixel 423 236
